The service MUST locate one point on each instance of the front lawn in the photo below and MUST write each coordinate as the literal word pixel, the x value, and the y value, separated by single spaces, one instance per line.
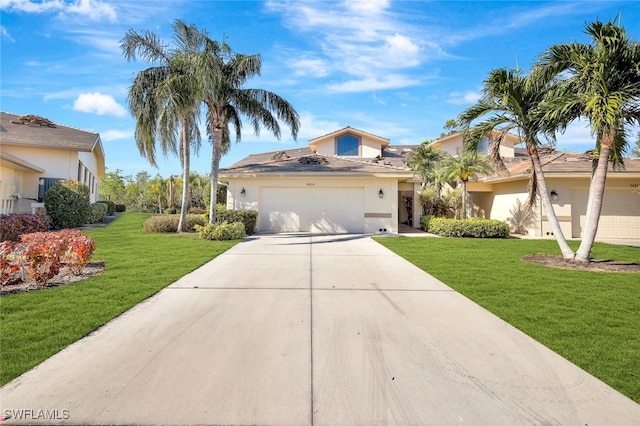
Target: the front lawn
pixel 37 324
pixel 590 318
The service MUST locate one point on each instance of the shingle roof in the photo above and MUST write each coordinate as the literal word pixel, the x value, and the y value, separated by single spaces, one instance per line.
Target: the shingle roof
pixel 40 135
pixel 304 160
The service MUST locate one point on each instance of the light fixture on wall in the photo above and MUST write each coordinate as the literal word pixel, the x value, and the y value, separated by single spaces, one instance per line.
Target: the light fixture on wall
pixel 554 195
pixel 243 192
pixel 380 193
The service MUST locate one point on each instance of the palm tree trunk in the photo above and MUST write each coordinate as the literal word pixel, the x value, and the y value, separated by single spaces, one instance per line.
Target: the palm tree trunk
pixel 182 224
pixel 594 204
pixel 215 169
pixel 567 253
pixel 464 200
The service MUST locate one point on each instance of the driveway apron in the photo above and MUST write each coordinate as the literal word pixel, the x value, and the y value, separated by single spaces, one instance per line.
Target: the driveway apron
pixel 310 330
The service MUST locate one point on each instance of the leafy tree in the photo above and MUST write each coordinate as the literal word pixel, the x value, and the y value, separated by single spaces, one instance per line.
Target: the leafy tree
pixel 165 98
pixel 601 82
pixel 451 125
pixel 511 101
pixel 223 74
pixel 112 187
pixel 463 167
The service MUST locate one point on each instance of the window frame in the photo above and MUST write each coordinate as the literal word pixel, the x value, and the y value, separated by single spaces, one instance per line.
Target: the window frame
pixel 358 141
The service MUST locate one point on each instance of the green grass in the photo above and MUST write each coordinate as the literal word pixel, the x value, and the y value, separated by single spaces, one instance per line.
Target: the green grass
pixel 37 324
pixel 590 318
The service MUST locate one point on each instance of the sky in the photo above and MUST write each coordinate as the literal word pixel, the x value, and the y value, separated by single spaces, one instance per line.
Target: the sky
pixel 397 69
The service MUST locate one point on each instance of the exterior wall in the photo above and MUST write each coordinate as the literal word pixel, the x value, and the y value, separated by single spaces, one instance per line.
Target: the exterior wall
pixel 57 163
pixel 379 213
pixel 369 148
pixel 456 141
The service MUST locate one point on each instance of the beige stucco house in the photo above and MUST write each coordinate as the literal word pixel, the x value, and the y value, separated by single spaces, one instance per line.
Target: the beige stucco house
pixel 568 177
pixel 35 153
pixel 350 181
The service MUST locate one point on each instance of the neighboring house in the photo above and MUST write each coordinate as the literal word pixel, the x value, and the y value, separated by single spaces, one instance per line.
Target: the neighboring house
pixel 35 153
pixel 350 181
pixel 568 177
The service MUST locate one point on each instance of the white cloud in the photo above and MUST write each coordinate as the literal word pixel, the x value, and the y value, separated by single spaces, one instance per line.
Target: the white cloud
pixel 112 135
pixel 577 135
pixel 459 98
pixel 391 81
pixel 5 34
pixel 95 10
pixel 310 66
pixel 98 103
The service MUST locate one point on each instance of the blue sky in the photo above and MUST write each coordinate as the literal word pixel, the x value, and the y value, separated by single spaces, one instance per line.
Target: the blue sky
pixel 398 69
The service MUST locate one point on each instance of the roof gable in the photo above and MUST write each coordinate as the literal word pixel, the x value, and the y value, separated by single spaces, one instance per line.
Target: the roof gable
pixel 384 142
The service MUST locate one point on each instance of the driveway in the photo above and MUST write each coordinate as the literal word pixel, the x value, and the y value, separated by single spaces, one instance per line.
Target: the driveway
pixel 302 330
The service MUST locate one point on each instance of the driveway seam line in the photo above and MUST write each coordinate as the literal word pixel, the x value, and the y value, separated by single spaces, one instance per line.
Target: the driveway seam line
pixel 311 323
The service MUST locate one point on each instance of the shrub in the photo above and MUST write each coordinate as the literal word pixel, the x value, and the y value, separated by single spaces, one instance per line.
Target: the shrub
pixel 171 210
pixel 67 204
pixel 111 206
pixel 121 208
pixel 169 223
pixel 14 225
pixel 474 227
pixel 424 222
pixel 196 210
pixel 40 255
pixel 98 212
pixel 247 217
pixel 221 231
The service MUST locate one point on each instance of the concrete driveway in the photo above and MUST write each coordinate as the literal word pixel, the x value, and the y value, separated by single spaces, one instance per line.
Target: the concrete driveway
pixel 302 330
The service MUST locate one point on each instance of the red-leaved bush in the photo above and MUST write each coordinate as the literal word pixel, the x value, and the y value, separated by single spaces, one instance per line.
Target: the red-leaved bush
pixel 40 255
pixel 14 225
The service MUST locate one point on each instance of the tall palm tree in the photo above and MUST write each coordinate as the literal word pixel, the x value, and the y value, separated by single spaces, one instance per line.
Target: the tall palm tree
pixel 463 167
pixel 223 74
pixel 510 101
pixel 599 81
pixel 424 161
pixel 164 98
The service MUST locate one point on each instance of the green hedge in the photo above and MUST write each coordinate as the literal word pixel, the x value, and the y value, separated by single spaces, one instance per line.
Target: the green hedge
pixel 111 206
pixel 121 208
pixel 68 204
pixel 169 222
pixel 98 212
pixel 474 227
pixel 221 231
pixel 424 222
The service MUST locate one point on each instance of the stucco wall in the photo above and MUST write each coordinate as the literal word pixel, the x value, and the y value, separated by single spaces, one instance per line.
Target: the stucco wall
pixel 369 148
pixel 374 206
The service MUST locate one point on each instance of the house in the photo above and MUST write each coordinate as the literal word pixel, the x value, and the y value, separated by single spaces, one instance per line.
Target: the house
pixel 568 177
pixel 351 181
pixel 347 181
pixel 35 153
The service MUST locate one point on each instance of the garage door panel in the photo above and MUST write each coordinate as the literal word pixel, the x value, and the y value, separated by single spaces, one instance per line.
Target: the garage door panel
pixel 315 210
pixel 620 216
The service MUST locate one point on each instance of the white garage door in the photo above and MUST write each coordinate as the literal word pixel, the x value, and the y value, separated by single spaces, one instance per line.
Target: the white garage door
pixel 620 217
pixel 315 210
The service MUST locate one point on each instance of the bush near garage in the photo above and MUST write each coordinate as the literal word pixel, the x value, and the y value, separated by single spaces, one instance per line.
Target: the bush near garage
pixel 121 208
pixel 68 204
pixel 14 225
pixel 169 222
pixel 221 231
pixel 247 217
pixel 474 228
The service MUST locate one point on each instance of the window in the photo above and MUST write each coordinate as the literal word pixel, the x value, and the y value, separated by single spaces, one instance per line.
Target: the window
pixel 348 145
pixel 483 145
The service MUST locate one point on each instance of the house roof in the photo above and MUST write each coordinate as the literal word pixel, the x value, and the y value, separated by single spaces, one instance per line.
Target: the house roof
pixel 304 160
pixel 559 163
pixel 383 141
pixel 37 132
pixel 453 135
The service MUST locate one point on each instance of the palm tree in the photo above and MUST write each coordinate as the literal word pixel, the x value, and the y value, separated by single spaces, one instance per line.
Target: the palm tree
pixel 464 166
pixel 599 81
pixel 424 161
pixel 164 98
pixel 223 74
pixel 511 101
